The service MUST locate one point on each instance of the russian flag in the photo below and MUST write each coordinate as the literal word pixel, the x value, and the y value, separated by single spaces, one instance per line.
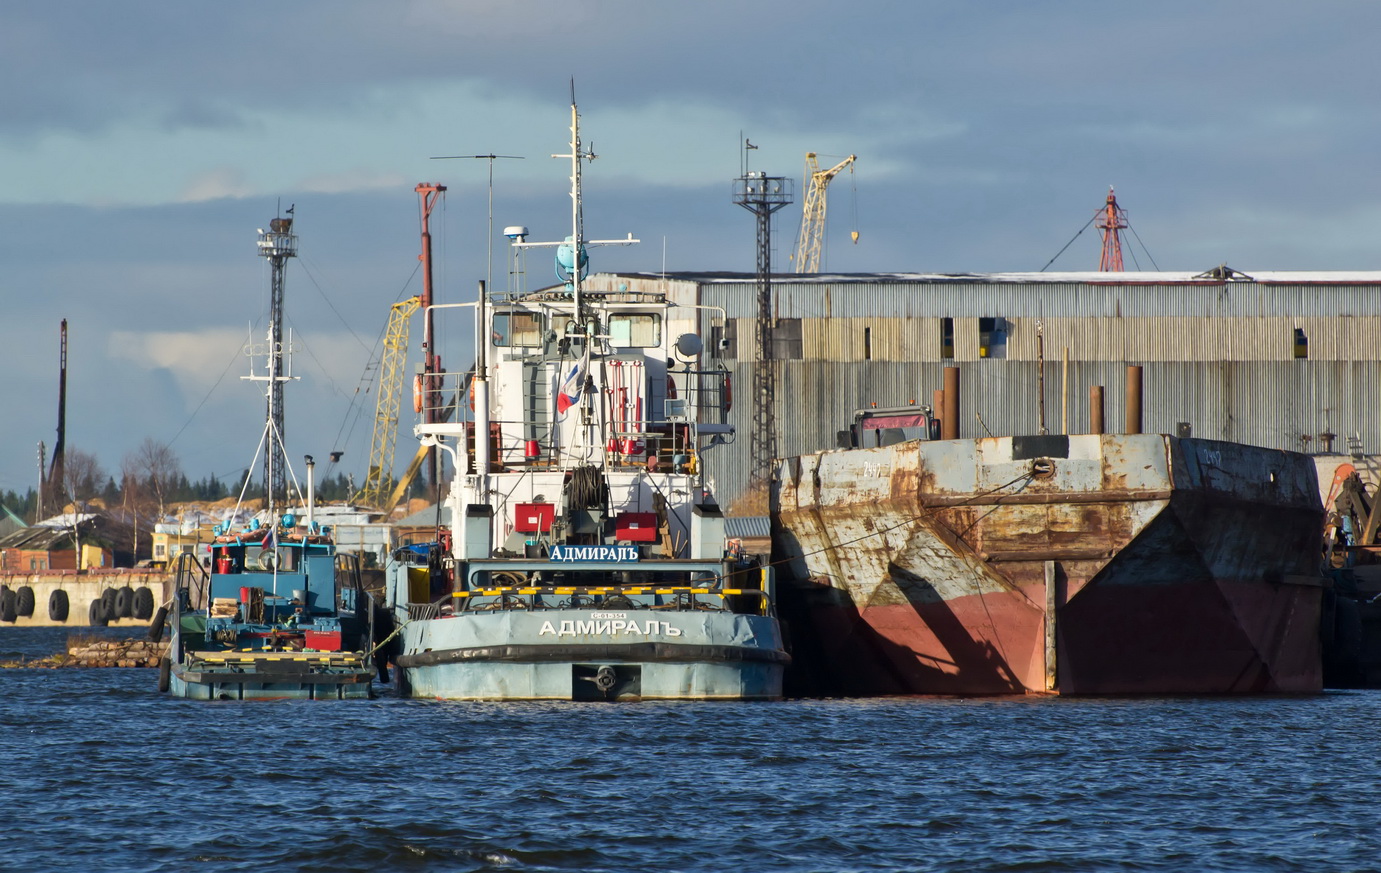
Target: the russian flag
pixel 573 385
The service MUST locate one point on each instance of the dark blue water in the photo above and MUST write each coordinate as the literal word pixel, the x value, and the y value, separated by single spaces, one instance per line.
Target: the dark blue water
pixel 102 773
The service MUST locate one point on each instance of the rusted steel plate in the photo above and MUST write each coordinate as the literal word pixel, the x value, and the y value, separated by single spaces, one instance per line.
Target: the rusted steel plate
pixel 940 548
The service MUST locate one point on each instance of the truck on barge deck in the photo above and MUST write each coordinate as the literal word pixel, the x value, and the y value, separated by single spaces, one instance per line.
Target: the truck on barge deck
pixel 1082 564
pixel 584 556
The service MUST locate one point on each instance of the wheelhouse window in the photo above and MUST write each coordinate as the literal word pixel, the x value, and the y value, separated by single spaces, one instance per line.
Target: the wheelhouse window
pixel 517 329
pixel 635 331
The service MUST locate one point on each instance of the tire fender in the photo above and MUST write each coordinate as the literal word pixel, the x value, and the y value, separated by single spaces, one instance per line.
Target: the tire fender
pixel 24 601
pixel 58 606
pixel 160 618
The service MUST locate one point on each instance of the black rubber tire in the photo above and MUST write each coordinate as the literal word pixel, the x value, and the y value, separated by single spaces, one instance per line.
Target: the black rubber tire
pixel 124 602
pixel 143 603
pixel 97 613
pixel 7 599
pixel 24 601
pixel 160 619
pixel 108 603
pixel 165 673
pixel 58 606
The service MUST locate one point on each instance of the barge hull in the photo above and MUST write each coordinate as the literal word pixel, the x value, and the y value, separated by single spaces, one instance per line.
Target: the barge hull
pixel 1115 564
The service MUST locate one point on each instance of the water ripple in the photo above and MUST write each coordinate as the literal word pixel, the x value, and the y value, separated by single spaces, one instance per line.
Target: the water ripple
pixel 102 773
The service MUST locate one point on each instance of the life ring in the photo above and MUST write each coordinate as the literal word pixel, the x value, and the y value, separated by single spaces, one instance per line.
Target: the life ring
pixel 269 558
pixel 417 393
pixel 728 392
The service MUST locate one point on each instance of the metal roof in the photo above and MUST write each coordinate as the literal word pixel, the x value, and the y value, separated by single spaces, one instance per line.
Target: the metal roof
pixel 737 527
pixel 1177 277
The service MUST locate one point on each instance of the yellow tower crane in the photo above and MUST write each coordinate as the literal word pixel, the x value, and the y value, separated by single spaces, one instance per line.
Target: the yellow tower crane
pixel 391 366
pixel 812 238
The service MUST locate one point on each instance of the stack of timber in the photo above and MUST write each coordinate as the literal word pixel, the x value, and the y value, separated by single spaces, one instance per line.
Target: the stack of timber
pixel 96 652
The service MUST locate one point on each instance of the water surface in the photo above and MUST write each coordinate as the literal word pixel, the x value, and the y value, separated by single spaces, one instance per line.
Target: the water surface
pixel 102 773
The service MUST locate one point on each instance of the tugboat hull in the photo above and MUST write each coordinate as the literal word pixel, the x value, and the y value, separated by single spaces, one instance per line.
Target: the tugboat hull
pixel 566 655
pixel 272 683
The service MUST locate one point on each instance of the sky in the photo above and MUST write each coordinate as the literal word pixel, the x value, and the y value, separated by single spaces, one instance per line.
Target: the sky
pixel 142 145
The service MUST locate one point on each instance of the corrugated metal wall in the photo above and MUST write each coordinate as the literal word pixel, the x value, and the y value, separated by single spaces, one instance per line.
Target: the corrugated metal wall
pixel 1219 356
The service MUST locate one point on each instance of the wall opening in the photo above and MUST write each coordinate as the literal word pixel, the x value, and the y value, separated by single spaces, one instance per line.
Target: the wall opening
pixel 1301 343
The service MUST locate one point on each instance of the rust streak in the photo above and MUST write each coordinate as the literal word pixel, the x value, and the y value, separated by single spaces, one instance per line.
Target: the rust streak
pixel 1047 498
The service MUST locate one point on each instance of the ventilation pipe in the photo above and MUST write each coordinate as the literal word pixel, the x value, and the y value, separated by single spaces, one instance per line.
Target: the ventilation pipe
pixel 1133 398
pixel 949 420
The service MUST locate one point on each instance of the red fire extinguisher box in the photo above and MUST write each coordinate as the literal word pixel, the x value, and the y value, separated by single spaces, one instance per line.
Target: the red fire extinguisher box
pixel 636 527
pixel 534 517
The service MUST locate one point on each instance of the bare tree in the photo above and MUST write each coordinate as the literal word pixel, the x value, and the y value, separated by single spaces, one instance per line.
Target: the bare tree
pixel 82 477
pixel 132 494
pixel 157 468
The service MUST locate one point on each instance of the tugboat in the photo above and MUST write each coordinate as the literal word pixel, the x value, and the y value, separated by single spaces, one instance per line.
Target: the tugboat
pixel 584 557
pixel 274 611
pixel 285 616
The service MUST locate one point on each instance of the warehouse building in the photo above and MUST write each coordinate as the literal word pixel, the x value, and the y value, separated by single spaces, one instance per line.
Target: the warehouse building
pixel 1288 360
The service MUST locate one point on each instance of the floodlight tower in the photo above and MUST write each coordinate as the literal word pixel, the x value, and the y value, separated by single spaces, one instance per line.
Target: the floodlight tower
pixel 1110 220
pixel 277 244
pixel 763 195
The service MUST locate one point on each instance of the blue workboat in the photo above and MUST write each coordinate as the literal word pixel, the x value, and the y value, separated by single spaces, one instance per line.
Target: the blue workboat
pixel 583 557
pixel 279 614
pixel 269 609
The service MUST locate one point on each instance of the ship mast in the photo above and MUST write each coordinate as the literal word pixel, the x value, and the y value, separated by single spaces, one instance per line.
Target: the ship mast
pixel 278 244
pixel 575 259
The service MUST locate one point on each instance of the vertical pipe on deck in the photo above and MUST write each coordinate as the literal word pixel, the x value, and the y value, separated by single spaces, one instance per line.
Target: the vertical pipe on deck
pixel 1095 409
pixel 1133 399
pixel 1064 393
pixel 949 421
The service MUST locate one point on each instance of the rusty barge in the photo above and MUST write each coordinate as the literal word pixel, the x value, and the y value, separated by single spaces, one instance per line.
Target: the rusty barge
pixel 1082 564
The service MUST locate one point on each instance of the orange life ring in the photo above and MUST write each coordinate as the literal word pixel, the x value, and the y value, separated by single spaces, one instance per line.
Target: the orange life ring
pixel 417 393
